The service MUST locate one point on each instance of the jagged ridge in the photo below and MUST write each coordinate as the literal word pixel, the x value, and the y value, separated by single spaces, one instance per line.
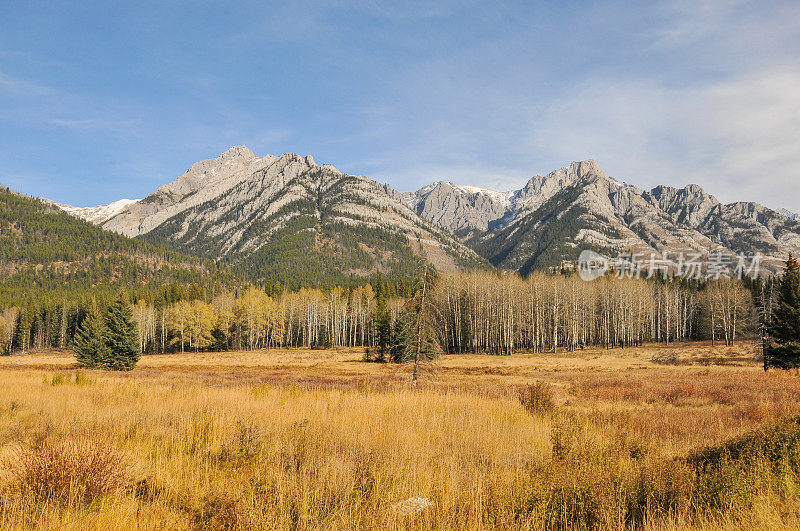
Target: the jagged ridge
pixel 286 219
pixel 272 214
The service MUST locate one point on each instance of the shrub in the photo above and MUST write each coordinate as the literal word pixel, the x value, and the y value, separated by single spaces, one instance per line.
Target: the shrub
pixel 777 445
pixel 537 398
pixel 73 470
pixel 66 379
pixel 220 511
pixel 82 379
pixel 58 379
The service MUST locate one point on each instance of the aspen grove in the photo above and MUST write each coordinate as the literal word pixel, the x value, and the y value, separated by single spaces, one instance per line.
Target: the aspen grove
pixel 479 312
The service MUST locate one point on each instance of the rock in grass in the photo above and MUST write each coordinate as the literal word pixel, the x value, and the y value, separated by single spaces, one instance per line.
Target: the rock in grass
pixel 413 506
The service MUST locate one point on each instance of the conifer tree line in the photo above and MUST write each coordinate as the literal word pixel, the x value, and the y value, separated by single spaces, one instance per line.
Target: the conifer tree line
pixel 481 312
pixel 780 306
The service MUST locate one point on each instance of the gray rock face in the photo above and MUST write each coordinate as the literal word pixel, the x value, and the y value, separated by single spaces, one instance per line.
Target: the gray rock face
pixel 465 210
pixel 250 209
pixel 459 209
pixel 541 188
pixel 203 181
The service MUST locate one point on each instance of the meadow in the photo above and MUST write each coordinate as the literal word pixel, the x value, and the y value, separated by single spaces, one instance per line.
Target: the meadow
pixel 654 437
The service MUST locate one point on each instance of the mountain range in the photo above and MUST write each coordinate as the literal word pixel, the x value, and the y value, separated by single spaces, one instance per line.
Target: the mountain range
pixel 553 217
pixel 286 219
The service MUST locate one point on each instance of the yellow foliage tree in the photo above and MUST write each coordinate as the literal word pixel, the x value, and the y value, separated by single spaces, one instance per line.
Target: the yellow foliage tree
pixel 179 322
pixel 200 323
pixel 261 318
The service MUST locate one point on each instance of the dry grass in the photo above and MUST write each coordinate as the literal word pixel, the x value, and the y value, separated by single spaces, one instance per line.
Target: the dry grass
pixel 308 440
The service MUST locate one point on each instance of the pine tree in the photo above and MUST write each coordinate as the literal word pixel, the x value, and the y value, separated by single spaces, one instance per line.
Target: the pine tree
pixel 784 330
pixel 383 327
pixel 90 346
pixel 401 338
pixel 121 338
pixel 414 338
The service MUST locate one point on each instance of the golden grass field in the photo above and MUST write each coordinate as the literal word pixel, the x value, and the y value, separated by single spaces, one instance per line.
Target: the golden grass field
pixel 304 439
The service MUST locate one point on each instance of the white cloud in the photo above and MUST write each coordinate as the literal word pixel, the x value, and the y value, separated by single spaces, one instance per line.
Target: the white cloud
pixel 738 138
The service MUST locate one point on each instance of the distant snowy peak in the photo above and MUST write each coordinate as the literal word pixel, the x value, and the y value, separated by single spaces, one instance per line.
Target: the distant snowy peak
pixel 501 197
pixel 96 214
pixel 789 214
pixel 459 208
pixel 464 209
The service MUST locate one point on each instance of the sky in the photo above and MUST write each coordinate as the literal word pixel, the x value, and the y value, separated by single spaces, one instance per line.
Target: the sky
pixel 105 100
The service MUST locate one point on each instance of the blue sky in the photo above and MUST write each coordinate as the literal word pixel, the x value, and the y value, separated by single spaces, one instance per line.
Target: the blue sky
pixel 100 101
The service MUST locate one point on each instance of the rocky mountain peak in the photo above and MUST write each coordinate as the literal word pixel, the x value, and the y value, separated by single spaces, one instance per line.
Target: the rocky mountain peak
pixel 581 169
pixel 237 154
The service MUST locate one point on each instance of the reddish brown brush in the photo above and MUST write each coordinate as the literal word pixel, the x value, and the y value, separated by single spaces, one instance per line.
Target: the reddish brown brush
pixel 70 470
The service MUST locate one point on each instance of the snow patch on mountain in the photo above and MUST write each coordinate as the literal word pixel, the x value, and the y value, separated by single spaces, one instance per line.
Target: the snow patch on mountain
pixel 503 198
pixel 96 214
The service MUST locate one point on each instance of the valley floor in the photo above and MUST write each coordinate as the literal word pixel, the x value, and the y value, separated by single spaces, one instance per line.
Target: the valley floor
pixel 320 439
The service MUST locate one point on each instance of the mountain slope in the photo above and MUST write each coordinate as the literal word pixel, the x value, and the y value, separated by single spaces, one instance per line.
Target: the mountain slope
pixel 461 210
pixel 469 211
pixel 203 181
pixel 43 250
pixel 286 219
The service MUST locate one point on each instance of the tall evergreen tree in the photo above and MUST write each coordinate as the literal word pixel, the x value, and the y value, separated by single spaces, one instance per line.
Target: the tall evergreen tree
pixel 121 338
pixel 383 326
pixel 90 342
pixel 414 339
pixel 401 337
pixel 783 350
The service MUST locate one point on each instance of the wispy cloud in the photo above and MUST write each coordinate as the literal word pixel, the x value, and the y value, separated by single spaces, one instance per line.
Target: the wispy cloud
pixel 688 22
pixel 22 87
pixel 94 124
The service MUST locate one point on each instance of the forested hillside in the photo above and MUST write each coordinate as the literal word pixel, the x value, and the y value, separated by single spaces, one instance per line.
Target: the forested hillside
pixel 45 250
pixel 52 264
